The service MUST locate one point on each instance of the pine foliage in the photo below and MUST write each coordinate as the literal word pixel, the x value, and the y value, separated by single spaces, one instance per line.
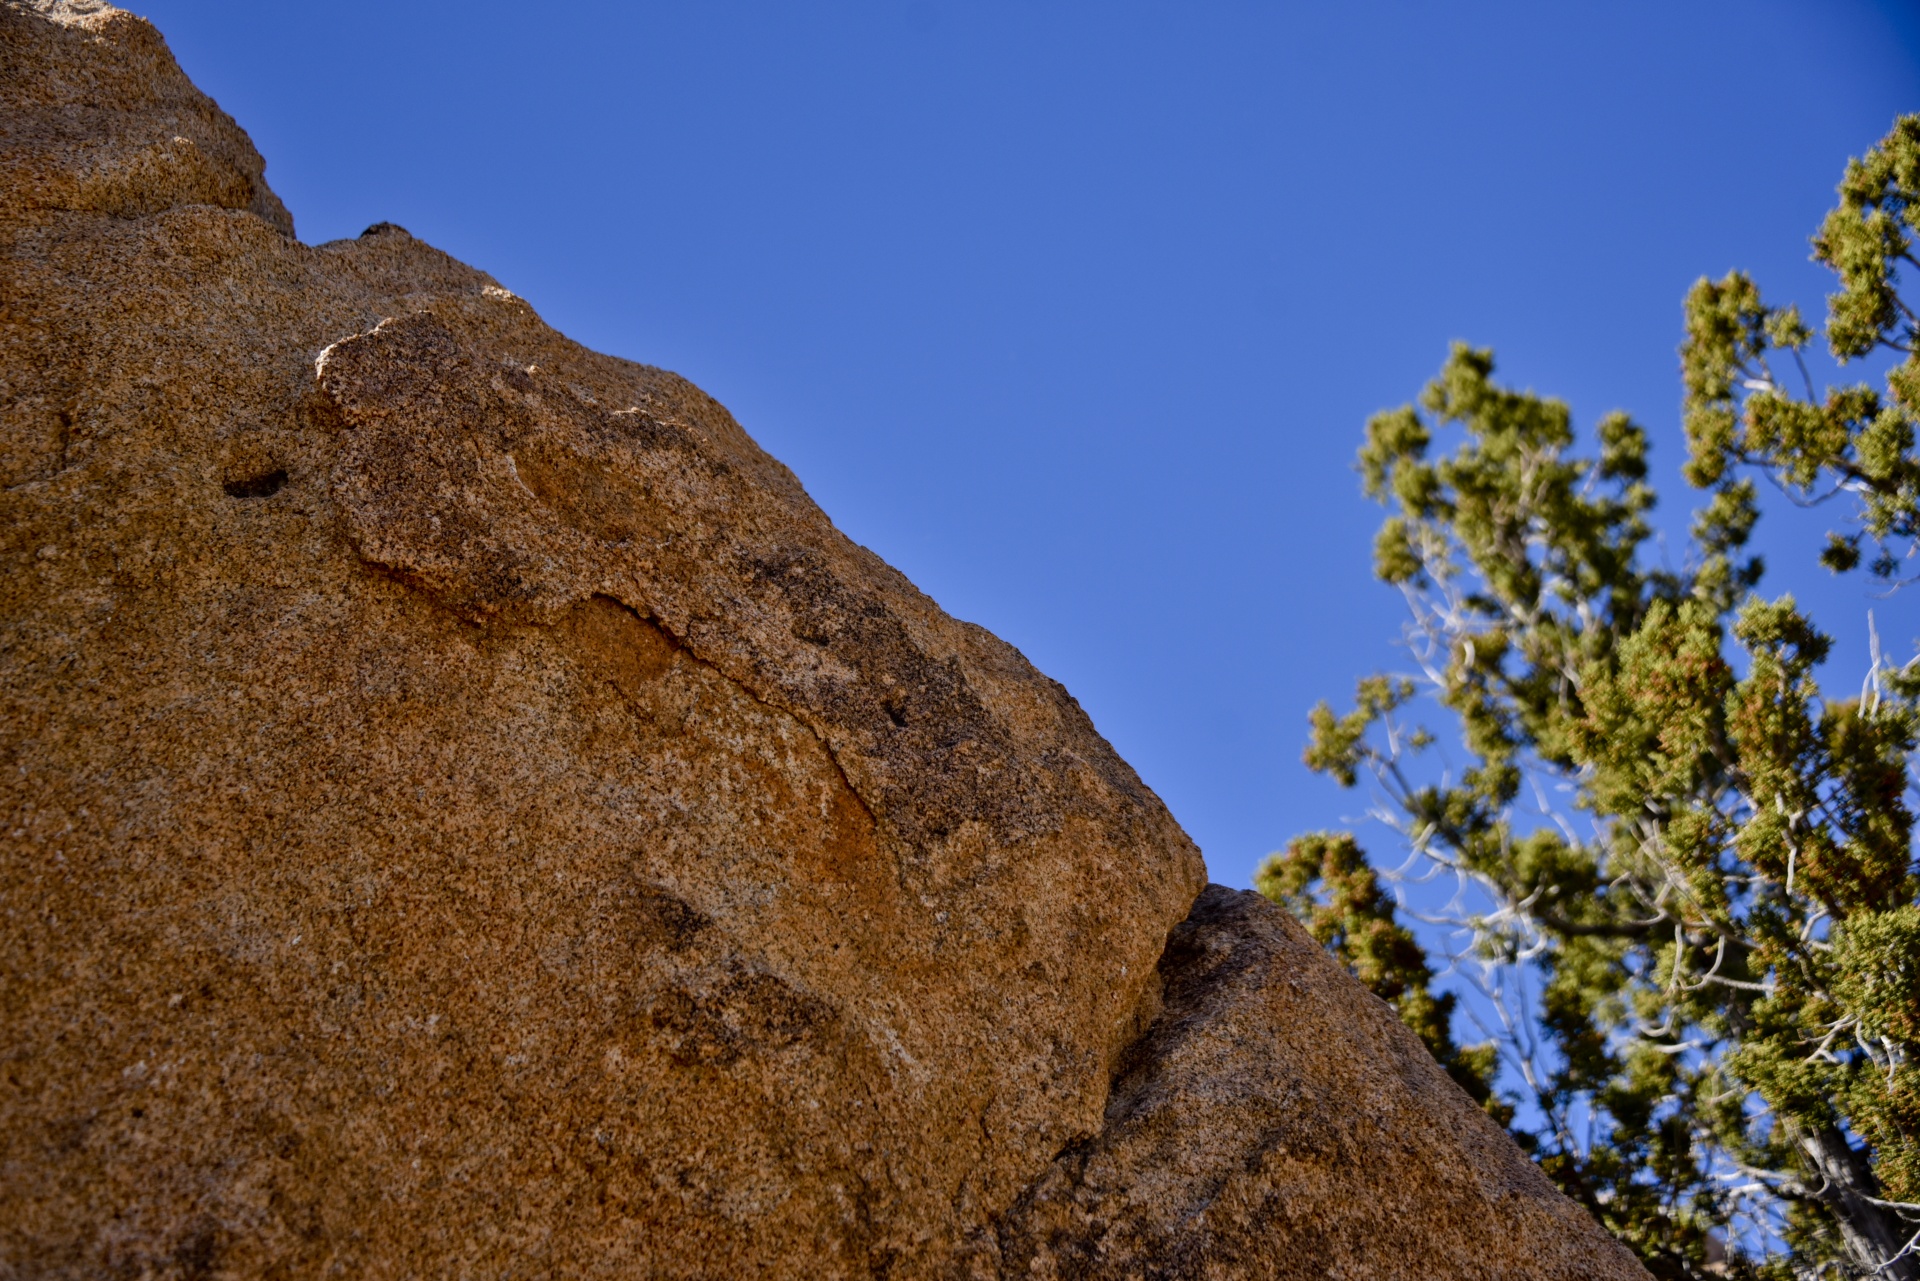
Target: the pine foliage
pixel 1688 892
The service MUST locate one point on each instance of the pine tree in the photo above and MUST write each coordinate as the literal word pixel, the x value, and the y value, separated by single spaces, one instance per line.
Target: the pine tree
pixel 1687 892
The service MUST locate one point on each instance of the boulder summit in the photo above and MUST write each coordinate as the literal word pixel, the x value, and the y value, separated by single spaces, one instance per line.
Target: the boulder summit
pixel 468 813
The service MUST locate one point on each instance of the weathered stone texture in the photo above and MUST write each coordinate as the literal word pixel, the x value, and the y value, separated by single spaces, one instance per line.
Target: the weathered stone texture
pixel 468 813
pixel 1275 1123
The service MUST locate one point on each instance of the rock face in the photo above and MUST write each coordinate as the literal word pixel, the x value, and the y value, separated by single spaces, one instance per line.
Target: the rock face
pixel 467 813
pixel 1277 1122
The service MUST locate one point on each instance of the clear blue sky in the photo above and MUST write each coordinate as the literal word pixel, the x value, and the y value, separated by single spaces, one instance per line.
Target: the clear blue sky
pixel 1074 311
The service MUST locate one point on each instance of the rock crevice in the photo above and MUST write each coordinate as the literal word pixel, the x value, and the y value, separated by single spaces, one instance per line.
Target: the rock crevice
pixel 1270 1124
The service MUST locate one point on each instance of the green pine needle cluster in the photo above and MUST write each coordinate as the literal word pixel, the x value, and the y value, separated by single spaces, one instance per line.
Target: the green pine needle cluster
pixel 1857 440
pixel 1687 883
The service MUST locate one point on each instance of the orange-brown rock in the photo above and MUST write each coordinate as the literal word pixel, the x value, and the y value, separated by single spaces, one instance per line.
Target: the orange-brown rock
pixel 1275 1123
pixel 467 813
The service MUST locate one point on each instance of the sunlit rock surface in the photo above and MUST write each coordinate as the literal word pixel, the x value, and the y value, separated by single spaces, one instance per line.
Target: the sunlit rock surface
pixel 467 813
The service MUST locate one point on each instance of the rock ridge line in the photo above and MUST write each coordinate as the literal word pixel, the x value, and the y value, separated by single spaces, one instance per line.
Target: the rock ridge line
pixel 469 813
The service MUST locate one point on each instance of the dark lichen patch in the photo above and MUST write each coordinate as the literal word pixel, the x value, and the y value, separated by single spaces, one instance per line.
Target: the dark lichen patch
pixel 746 1013
pixel 259 485
pixel 667 922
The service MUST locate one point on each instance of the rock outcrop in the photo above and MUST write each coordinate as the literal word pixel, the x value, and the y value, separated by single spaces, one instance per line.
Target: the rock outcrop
pixel 468 813
pixel 1277 1122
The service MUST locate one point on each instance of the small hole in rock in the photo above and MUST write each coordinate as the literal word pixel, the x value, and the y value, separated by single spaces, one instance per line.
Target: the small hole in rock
pixel 264 485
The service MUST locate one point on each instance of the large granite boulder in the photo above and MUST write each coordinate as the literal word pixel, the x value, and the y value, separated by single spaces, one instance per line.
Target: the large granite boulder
pixel 465 812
